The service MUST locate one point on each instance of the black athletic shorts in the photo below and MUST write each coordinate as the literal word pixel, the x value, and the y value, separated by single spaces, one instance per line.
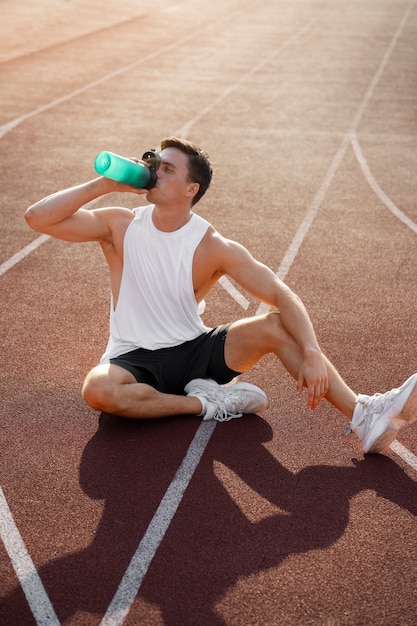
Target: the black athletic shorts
pixel 170 369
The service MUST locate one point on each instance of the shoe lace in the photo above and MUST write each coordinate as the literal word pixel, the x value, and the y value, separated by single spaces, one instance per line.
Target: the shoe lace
pixel 223 415
pixel 374 406
pixel 226 409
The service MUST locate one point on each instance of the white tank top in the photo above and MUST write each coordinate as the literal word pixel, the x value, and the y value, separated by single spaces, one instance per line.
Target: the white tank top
pixel 156 307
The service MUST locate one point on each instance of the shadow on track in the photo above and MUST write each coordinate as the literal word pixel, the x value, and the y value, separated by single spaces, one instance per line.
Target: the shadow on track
pixel 210 543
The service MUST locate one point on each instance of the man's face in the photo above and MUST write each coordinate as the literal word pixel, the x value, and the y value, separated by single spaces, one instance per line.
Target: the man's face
pixel 172 185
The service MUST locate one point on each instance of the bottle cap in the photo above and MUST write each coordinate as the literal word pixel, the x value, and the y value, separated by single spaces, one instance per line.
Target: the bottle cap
pixel 152 158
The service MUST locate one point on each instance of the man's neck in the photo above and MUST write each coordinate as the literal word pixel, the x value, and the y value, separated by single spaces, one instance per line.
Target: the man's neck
pixel 169 220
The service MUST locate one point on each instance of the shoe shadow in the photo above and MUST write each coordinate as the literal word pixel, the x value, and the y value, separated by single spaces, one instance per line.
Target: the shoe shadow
pixel 210 543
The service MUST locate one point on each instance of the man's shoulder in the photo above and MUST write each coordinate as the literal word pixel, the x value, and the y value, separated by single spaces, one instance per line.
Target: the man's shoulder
pixel 213 243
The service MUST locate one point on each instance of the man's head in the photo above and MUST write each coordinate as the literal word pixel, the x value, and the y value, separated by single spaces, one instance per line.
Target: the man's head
pixel 199 167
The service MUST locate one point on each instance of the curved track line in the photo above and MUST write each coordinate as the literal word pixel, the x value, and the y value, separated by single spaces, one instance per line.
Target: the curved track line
pixel 314 207
pixel 376 188
pixel 131 582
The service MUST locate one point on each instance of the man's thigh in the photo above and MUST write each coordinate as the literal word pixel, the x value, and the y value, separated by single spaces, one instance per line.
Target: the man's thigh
pixel 248 340
pixel 107 373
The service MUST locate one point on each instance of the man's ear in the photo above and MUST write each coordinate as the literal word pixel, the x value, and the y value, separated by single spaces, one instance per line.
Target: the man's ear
pixel 192 189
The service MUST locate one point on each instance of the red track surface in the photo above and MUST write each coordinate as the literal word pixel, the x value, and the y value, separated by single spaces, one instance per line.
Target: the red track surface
pixel 308 111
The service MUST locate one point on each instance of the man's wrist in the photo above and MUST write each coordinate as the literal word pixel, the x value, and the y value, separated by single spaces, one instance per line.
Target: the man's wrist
pixel 312 350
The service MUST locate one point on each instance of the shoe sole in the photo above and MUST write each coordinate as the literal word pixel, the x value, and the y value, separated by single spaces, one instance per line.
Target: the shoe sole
pixel 383 441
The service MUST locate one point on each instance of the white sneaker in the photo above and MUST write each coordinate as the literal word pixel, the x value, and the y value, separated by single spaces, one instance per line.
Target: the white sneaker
pixel 377 419
pixel 225 403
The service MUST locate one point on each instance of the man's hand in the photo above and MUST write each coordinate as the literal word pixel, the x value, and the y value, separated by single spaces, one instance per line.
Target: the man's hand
pixel 313 375
pixel 115 186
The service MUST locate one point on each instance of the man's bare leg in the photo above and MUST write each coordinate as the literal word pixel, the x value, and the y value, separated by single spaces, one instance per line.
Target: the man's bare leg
pixel 112 389
pixel 251 338
pixel 375 419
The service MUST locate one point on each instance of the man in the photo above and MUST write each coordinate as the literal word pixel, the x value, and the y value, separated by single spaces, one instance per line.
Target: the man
pixel 160 359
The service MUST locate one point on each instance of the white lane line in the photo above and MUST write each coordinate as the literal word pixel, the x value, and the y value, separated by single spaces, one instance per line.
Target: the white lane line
pixel 309 217
pixel 405 454
pixel 141 560
pixel 185 129
pixel 33 245
pixel 32 586
pixel 23 253
pixel 5 128
pixel 371 89
pixel 376 188
pixel 229 287
pixel 349 137
pixel 130 584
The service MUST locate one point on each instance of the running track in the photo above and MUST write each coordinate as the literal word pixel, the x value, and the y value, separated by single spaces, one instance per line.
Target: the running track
pixel 308 110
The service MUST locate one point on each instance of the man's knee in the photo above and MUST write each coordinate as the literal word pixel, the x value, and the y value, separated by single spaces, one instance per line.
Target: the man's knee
pixel 96 389
pixel 101 387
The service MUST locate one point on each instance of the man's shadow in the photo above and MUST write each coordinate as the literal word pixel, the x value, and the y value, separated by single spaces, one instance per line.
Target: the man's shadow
pixel 210 543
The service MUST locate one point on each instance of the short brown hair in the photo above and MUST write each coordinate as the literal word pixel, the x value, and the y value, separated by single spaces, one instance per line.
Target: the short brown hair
pixel 200 169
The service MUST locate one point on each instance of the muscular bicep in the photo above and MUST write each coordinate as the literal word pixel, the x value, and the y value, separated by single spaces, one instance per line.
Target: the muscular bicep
pixel 82 226
pixel 64 214
pixel 85 225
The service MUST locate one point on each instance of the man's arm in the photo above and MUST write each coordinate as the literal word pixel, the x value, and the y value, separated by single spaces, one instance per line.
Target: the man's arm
pixel 260 281
pixel 61 214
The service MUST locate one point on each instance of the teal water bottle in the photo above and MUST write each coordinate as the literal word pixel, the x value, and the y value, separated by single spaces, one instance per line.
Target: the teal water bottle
pixel 125 170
